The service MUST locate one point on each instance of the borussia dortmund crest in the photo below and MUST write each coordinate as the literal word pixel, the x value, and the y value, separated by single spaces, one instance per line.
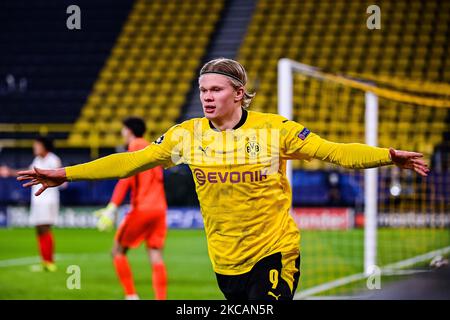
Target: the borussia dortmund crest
pixel 252 148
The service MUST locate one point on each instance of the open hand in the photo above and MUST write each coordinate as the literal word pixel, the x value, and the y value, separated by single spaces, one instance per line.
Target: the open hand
pixel 48 178
pixel 409 160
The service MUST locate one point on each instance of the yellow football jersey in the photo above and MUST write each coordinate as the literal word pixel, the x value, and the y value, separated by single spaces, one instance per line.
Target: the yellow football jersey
pixel 240 178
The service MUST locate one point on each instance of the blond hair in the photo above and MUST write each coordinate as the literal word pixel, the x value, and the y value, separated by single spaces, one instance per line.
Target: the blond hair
pixel 234 71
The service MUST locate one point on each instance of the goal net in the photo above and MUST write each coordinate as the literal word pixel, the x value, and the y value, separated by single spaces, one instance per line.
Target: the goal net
pixel 361 229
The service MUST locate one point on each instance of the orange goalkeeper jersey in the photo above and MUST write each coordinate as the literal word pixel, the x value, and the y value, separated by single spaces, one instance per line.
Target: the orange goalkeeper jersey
pixel 147 188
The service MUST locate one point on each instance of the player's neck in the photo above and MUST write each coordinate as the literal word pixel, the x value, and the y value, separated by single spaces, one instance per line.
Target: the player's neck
pixel 229 122
pixel 43 155
pixel 131 139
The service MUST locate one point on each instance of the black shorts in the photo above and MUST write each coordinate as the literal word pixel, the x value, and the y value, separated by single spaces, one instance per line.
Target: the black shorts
pixel 274 277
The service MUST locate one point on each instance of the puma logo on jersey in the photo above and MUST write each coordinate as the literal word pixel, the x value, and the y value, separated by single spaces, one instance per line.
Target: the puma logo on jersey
pixel 270 293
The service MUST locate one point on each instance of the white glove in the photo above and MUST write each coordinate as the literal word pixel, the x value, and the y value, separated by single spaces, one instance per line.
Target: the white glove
pixel 106 217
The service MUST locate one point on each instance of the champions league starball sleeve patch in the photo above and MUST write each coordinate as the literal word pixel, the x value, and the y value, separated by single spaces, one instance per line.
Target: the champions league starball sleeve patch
pixel 304 133
pixel 159 140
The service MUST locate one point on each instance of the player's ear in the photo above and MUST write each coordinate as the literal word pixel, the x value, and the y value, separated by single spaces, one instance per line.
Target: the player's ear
pixel 239 94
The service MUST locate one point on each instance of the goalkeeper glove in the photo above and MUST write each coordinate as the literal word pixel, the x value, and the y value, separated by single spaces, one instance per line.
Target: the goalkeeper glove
pixel 106 217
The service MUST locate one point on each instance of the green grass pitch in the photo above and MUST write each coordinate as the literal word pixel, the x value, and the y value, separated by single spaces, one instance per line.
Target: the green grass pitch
pixel 326 256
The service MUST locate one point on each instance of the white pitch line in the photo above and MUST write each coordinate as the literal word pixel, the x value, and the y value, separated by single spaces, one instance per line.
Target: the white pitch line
pixel 35 259
pixel 391 272
pixel 329 285
pixel 359 276
pixel 18 262
pixel 416 259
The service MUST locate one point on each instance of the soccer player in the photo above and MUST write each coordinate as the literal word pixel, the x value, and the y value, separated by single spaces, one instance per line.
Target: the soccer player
pixel 238 159
pixel 146 220
pixel 44 210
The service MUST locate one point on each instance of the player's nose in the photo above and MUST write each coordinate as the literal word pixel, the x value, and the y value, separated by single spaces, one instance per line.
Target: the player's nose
pixel 207 96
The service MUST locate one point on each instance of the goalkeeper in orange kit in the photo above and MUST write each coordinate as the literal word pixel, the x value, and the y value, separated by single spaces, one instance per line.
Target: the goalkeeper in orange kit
pixel 146 220
pixel 238 160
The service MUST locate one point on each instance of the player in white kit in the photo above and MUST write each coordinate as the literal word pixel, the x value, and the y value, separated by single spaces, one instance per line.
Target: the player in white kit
pixel 44 209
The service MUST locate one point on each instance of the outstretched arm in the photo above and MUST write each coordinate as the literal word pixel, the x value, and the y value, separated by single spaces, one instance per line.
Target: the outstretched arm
pixel 301 143
pixel 119 165
pixel 165 152
pixel 115 166
pixel 361 156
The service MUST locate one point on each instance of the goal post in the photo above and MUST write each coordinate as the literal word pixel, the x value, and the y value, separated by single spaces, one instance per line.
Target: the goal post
pixel 370 186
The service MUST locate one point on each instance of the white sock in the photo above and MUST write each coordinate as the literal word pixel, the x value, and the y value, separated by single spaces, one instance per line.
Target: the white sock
pixel 131 297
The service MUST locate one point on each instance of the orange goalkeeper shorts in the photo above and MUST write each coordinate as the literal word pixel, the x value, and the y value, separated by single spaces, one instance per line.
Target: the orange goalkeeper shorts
pixel 139 226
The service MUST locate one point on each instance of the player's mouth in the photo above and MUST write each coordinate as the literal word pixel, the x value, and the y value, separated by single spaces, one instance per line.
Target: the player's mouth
pixel 209 109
